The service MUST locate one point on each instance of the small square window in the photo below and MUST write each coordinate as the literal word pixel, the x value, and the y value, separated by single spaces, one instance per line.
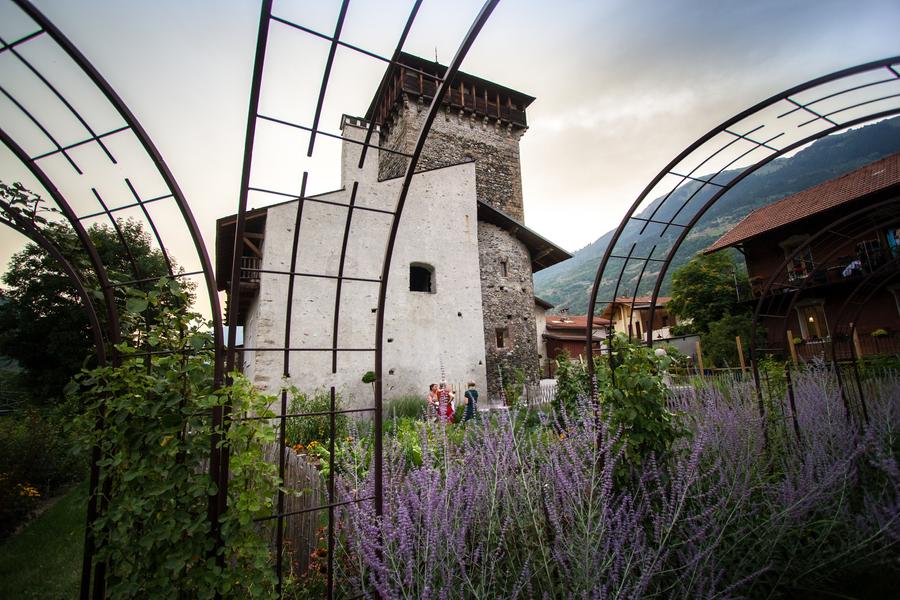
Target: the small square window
pixel 502 337
pixel 421 278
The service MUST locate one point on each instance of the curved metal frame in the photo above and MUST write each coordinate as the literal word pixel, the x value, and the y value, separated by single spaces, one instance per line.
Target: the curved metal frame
pixel 34 234
pixel 334 39
pixel 81 66
pixel 706 149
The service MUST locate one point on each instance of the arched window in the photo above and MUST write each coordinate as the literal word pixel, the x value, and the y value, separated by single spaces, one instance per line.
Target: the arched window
pixel 421 278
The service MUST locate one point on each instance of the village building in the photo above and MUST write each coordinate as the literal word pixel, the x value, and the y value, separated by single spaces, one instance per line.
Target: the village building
pixel 460 299
pixel 631 316
pixel 566 335
pixel 832 268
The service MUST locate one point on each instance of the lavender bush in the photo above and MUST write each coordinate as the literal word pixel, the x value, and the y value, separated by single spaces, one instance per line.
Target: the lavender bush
pixel 517 512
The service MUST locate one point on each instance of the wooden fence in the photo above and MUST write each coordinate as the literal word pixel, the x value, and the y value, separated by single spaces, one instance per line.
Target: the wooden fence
pixel 540 393
pixel 301 531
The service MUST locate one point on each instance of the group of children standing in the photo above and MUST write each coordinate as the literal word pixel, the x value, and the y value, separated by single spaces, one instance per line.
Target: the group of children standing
pixel 440 402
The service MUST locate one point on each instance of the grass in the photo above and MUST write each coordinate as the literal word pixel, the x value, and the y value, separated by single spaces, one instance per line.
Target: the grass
pixel 411 406
pixel 44 559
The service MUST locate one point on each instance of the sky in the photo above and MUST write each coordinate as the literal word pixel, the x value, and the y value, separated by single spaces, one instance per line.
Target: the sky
pixel 621 86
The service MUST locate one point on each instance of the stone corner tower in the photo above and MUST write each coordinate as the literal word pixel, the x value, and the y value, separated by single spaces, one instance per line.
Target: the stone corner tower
pixel 483 122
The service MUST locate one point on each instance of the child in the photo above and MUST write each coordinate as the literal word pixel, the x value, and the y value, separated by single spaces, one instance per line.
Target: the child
pixel 471 402
pixel 434 400
pixel 446 400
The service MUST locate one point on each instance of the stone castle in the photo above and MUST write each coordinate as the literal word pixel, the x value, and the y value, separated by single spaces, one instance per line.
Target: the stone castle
pixel 460 297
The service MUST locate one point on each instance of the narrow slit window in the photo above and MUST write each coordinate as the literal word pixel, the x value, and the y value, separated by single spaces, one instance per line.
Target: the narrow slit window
pixel 502 337
pixel 503 269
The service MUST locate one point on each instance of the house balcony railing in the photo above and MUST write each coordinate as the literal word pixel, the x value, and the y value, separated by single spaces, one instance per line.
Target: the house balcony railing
pixel 250 266
pixel 844 269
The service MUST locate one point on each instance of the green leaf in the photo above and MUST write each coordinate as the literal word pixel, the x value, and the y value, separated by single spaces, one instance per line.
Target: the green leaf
pixel 136 305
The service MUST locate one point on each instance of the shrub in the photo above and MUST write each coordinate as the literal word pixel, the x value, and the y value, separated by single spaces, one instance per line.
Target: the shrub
pixel 632 396
pixel 153 532
pixel 633 399
pixel 572 383
pixel 301 431
pixel 35 459
pixel 719 347
pixel 513 385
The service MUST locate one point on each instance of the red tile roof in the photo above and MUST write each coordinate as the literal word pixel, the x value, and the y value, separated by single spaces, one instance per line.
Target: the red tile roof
pixel 866 180
pixel 570 322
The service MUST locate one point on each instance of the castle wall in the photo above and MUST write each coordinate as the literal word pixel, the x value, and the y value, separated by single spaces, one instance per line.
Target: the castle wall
pixel 540 323
pixel 456 138
pixel 423 331
pixel 508 303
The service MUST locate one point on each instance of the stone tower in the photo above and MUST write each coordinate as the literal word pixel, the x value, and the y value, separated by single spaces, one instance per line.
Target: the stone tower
pixel 483 122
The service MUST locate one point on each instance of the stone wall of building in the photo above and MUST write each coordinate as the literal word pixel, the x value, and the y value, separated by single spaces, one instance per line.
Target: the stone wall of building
pixel 508 304
pixel 457 137
pixel 540 322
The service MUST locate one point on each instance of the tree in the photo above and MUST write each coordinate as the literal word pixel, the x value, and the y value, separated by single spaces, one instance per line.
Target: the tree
pixel 703 290
pixel 42 322
pixel 720 345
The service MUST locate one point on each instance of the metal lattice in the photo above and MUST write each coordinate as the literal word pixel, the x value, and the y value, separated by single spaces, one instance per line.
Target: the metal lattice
pixel 297 270
pixel 656 226
pixel 91 157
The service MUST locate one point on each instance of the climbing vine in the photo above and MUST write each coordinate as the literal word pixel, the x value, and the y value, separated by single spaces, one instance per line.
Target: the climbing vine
pixel 150 416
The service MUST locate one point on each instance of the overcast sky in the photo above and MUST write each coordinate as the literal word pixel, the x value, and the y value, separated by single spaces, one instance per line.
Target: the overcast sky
pixel 621 86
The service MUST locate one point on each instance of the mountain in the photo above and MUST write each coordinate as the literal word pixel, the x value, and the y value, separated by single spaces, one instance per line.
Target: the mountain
pixel 568 284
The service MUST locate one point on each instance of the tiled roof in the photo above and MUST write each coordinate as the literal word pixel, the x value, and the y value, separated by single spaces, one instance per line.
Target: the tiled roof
pixel 866 180
pixel 570 322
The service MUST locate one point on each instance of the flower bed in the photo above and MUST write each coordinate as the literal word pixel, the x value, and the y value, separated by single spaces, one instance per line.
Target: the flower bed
pixel 509 510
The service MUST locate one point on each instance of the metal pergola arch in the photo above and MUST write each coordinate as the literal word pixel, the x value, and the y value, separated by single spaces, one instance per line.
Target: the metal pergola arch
pixel 45 37
pixel 313 129
pixel 832 103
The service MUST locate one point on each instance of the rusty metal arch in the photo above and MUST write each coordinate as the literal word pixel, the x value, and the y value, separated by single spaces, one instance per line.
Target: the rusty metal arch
pixel 29 230
pixel 314 129
pixel 136 157
pixel 722 158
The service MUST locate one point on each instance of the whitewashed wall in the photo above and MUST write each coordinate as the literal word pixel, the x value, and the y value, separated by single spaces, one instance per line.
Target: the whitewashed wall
pixel 423 331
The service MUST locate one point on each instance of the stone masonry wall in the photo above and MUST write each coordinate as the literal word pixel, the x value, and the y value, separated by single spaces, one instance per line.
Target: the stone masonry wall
pixel 457 137
pixel 508 302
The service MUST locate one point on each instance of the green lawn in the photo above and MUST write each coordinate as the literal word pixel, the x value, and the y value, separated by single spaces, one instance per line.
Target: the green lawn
pixel 44 560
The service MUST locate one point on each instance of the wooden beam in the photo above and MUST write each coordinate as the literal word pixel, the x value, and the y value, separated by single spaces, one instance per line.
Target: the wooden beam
pixel 253 247
pixel 792 347
pixel 856 345
pixel 740 349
